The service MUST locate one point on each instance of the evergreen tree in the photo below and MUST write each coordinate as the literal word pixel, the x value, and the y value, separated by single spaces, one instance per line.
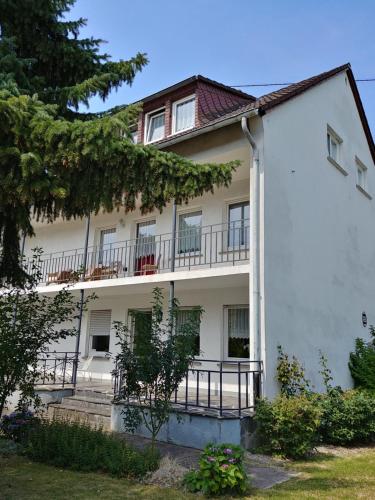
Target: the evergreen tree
pixel 55 161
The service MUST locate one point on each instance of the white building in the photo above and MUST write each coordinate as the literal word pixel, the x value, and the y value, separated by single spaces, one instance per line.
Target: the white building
pixel 305 279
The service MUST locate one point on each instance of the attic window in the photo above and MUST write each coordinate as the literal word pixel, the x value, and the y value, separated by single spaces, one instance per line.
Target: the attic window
pixel 155 126
pixel 333 145
pixel 183 116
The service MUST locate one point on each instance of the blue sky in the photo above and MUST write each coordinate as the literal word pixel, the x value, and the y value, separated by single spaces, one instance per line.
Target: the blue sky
pixel 234 41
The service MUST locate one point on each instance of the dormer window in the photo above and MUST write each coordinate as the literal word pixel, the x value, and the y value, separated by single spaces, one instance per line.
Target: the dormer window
pixel 155 126
pixel 183 116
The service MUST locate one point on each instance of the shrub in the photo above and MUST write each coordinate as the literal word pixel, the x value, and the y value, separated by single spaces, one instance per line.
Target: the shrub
pixel 348 417
pixel 362 362
pixel 220 471
pixel 16 426
pixel 291 375
pixel 288 426
pixel 76 446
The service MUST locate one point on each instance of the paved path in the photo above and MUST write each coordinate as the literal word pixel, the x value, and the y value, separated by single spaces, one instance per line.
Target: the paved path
pixel 263 471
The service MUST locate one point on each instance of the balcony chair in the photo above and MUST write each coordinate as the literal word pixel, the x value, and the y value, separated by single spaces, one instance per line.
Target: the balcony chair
pixel 149 268
pixel 59 277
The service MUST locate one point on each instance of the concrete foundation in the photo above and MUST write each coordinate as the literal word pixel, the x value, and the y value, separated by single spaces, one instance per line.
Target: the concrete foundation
pixel 194 430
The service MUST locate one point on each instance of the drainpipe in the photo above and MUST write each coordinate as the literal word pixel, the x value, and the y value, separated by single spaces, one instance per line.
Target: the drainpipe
pixel 173 253
pixel 81 302
pixel 254 245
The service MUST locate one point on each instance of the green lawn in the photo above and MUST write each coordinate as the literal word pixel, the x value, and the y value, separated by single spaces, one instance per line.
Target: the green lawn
pixel 324 477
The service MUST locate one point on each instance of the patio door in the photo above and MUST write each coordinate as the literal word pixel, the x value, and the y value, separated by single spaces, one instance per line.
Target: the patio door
pixel 145 247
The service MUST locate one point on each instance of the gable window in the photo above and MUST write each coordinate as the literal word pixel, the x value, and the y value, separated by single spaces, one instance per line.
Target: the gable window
pixel 189 315
pixel 106 241
pixel 238 224
pixel 189 232
pixel 99 331
pixel 236 323
pixel 183 114
pixel 334 142
pixel 155 125
pixel 361 172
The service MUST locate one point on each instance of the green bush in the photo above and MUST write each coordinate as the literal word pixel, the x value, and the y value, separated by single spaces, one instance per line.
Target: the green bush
pixel 17 425
pixel 220 471
pixel 291 375
pixel 76 446
pixel 288 426
pixel 362 363
pixel 348 417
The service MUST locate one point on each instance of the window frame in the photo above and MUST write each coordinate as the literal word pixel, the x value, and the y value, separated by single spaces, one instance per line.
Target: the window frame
pixel 148 117
pixel 193 308
pixel 362 187
pixel 192 252
pixel 90 350
pixel 230 204
pixel 174 113
pixel 226 331
pixel 100 249
pixel 131 321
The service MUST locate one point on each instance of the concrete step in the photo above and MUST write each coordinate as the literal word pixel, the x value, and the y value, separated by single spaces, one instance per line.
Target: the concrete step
pixel 94 418
pixel 84 403
pixel 94 394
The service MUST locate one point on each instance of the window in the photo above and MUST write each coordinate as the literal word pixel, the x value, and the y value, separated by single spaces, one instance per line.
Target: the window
pixel 155 126
pixel 141 321
pixel 99 330
pixel 186 315
pixel 333 145
pixel 237 331
pixel 189 232
pixel 238 224
pixel 146 238
pixel 361 174
pixel 134 136
pixel 106 241
pixel 183 114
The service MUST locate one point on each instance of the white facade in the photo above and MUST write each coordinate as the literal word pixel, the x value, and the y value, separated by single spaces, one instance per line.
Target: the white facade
pixel 317 245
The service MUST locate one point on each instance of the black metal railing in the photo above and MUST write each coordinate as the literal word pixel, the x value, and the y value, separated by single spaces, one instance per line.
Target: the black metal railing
pixel 202 247
pixel 221 388
pixel 56 368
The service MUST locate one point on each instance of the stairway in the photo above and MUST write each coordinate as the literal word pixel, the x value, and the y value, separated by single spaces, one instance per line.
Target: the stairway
pixel 88 405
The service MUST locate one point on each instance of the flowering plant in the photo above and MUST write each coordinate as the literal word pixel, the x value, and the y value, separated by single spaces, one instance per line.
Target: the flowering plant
pixel 16 425
pixel 220 471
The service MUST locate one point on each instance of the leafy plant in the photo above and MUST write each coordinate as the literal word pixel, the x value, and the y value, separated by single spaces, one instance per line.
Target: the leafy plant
pixel 17 425
pixel 288 426
pixel 29 323
pixel 56 161
pixel 362 362
pixel 348 417
pixel 220 471
pixel 291 375
pixel 76 446
pixel 152 372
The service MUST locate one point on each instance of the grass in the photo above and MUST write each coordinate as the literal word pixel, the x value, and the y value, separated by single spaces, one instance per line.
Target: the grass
pixel 348 477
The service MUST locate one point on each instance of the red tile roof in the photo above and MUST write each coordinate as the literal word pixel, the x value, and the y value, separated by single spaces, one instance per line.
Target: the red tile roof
pixel 216 114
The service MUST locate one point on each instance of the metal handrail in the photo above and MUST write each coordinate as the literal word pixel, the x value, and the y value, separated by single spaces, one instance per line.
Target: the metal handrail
pixel 56 368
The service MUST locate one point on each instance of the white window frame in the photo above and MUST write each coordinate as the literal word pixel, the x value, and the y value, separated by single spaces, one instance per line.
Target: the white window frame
pixel 334 137
pixel 90 350
pixel 152 114
pixel 226 332
pixel 192 308
pixel 174 113
pixel 362 187
pixel 191 211
pixel 134 136
pixel 98 245
pixel 227 221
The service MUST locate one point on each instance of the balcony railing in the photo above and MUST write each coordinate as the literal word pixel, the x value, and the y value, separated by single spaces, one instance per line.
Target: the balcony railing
pixel 203 247
pixel 56 368
pixel 212 387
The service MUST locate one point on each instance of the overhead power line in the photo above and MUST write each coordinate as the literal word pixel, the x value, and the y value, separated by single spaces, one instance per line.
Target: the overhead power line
pixel 289 83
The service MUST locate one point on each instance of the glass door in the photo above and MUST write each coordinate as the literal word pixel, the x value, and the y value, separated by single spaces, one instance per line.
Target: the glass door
pixel 145 247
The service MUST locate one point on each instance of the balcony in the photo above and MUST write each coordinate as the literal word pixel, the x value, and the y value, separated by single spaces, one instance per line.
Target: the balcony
pixel 197 248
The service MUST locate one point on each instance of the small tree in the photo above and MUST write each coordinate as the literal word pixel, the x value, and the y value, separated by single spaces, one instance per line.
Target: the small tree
pixel 291 375
pixel 29 323
pixel 362 362
pixel 152 370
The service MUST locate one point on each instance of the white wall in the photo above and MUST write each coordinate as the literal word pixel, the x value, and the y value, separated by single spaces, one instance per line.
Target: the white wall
pixel 319 238
pixel 212 299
